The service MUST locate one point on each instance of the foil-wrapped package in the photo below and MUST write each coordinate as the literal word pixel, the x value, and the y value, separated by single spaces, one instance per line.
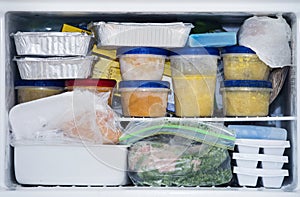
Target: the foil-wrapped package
pixel 55 67
pixel 52 43
pixel 141 34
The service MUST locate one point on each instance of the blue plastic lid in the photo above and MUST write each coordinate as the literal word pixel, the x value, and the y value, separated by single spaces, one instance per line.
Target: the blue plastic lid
pixel 41 83
pixel 142 50
pixel 194 51
pixel 144 84
pixel 237 49
pixel 248 83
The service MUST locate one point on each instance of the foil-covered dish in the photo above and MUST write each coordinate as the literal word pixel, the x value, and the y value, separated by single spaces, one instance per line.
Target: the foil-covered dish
pixel 112 34
pixel 53 43
pixel 55 67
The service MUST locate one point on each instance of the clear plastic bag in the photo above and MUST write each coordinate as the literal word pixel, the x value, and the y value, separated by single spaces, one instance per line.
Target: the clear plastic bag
pixel 209 133
pixel 269 38
pixel 168 160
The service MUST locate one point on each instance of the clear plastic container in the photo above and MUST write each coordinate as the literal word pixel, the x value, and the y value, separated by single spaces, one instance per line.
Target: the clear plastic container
pixel 194 73
pixel 29 90
pixel 100 85
pixel 241 63
pixel 246 97
pixel 144 63
pixel 144 98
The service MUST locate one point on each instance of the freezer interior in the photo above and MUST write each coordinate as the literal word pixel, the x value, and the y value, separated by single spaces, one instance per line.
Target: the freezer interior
pixel 283 111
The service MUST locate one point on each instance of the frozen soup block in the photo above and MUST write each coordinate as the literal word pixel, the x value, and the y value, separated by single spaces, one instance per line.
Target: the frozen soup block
pixel 144 98
pixel 246 97
pixel 194 73
pixel 143 63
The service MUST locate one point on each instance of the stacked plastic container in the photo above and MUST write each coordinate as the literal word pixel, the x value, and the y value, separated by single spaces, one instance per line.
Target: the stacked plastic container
pixel 260 151
pixel 246 91
pixel 142 51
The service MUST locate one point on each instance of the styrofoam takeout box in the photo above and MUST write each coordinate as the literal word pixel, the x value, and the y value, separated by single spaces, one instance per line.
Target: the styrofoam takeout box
pixel 69 164
pixel 52 43
pixel 114 34
pixel 55 67
pixel 270 147
pixel 271 178
pixel 268 161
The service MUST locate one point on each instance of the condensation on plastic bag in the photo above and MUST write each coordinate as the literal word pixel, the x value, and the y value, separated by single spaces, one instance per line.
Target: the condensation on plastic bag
pixel 209 133
pixel 168 160
pixel 269 38
pixel 93 119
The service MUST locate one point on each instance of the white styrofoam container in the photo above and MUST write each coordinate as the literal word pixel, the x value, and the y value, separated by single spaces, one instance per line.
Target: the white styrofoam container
pixel 52 43
pixel 58 164
pixel 272 178
pixel 251 160
pixel 55 67
pixel 270 147
pixel 113 34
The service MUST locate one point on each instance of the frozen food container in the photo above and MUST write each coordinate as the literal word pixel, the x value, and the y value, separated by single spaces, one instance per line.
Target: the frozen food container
pixel 259 132
pixel 271 178
pixel 115 34
pixel 270 147
pixel 144 98
pixel 52 43
pixel 46 163
pixel 100 85
pixel 246 97
pixel 241 63
pixel 55 67
pixel 217 39
pixel 194 72
pixel 143 63
pixel 251 160
pixel 28 90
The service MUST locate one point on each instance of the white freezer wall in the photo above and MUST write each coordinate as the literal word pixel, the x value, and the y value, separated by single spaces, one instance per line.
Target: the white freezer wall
pixel 104 6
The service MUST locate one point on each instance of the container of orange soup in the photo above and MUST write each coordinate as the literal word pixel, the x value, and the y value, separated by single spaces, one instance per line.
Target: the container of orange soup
pixel 194 73
pixel 144 98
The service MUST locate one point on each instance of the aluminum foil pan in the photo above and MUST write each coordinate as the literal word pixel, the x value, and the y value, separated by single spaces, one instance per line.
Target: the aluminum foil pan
pixel 141 34
pixel 55 67
pixel 52 43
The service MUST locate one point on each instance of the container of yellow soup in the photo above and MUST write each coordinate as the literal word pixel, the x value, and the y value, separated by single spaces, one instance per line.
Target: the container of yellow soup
pixel 241 63
pixel 194 80
pixel 29 90
pixel 246 97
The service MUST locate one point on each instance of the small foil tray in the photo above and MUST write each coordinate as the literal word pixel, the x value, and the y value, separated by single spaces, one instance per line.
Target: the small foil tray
pixel 53 43
pixel 114 35
pixel 55 67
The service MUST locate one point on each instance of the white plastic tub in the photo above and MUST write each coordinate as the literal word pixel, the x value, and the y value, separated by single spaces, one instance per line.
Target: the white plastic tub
pixel 58 164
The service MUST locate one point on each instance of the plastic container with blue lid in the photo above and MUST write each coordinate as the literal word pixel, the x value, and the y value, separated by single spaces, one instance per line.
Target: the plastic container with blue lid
pixel 246 97
pixel 28 90
pixel 194 72
pixel 242 63
pixel 142 63
pixel 144 98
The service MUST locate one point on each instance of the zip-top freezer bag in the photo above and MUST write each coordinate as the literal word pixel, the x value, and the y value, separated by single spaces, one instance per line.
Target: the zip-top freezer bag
pixel 269 38
pixel 174 153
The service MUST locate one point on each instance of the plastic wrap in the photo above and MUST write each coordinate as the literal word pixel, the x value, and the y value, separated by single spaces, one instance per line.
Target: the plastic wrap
pixel 258 33
pixel 208 133
pixel 141 34
pixel 55 67
pixel 52 43
pixel 168 160
pixel 77 116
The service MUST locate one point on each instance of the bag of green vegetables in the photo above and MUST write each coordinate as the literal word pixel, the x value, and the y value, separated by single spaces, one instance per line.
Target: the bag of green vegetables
pixel 176 157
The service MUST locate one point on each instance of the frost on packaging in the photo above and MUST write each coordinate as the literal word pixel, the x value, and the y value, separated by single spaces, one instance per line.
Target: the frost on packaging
pixel 269 38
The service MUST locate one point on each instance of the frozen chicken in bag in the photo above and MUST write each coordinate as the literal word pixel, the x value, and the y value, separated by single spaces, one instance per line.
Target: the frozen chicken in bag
pixel 269 38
